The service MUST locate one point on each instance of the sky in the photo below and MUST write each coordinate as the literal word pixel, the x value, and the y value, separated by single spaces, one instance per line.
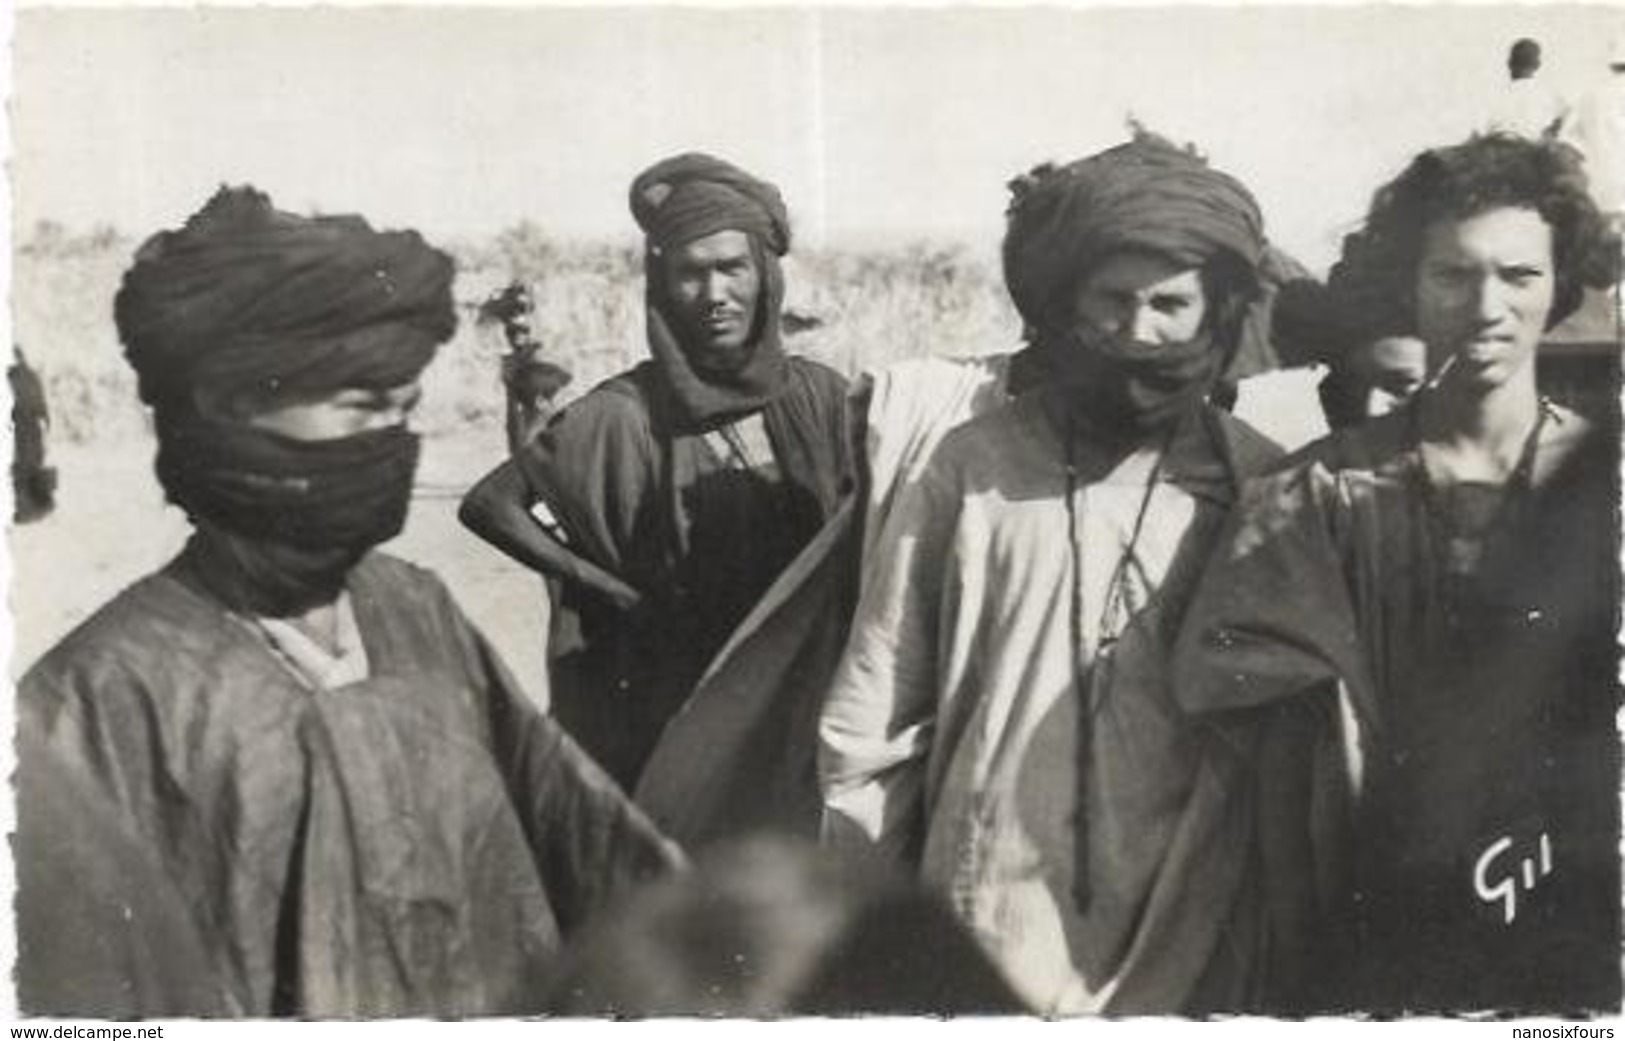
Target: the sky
pixel 880 124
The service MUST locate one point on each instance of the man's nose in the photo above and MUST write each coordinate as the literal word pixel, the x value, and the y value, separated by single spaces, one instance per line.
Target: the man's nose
pixel 1490 299
pixel 715 289
pixel 1144 324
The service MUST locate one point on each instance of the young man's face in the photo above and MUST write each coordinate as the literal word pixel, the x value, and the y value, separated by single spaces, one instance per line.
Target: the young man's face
pixel 343 413
pixel 1142 297
pixel 1484 290
pixel 716 286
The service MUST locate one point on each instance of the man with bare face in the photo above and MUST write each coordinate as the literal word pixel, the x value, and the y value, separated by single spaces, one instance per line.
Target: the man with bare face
pixel 678 491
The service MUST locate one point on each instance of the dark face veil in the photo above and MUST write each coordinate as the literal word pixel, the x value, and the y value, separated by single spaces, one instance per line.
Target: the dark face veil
pixel 247 300
pixel 689 197
pixel 1148 197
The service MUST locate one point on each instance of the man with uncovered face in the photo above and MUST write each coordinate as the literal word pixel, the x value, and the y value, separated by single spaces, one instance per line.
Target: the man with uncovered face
pixel 683 487
pixel 1409 636
pixel 302 736
pixel 1001 718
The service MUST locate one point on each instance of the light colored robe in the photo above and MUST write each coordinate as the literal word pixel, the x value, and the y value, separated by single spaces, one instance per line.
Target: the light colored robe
pixel 951 732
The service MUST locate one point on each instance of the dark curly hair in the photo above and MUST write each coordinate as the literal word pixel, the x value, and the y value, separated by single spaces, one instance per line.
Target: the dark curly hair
pixel 1373 286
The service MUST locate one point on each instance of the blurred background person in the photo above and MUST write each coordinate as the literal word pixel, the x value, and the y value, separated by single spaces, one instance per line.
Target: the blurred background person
pixel 1598 131
pixel 766 927
pixel 530 381
pixel 1372 378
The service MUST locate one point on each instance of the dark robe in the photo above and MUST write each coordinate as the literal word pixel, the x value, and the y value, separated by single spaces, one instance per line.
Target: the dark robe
pixel 33 484
pixel 1443 836
pixel 643 495
pixel 415 843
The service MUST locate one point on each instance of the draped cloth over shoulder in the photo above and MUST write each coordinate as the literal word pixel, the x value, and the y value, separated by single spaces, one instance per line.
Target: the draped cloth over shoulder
pixel 698 541
pixel 741 754
pixel 659 476
pixel 1474 725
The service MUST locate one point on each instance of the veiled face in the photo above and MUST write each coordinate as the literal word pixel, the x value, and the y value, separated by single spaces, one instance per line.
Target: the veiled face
pixel 715 286
pixel 1484 290
pixel 1142 297
pixel 325 417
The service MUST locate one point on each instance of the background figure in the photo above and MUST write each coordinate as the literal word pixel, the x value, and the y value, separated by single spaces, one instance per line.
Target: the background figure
pixel 530 381
pixel 33 484
pixel 767 927
pixel 1598 131
pixel 1372 378
pixel 102 928
pixel 1406 641
pixel 1528 107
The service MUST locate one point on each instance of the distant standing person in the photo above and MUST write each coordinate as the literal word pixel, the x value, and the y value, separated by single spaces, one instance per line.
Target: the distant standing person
pixel 682 487
pixel 530 382
pixel 1598 131
pixel 33 484
pixel 1528 107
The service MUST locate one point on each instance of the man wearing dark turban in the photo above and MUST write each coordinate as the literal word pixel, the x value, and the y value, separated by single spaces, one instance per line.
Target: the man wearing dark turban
pixel 683 487
pixel 1002 719
pixel 304 737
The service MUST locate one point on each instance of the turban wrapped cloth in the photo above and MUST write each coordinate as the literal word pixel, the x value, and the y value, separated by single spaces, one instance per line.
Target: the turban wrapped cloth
pixel 693 195
pixel 688 197
pixel 246 295
pixel 1147 195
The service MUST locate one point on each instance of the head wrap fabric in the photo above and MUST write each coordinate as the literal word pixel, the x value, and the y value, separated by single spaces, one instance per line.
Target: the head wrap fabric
pixel 685 198
pixel 1146 195
pixel 693 195
pixel 246 295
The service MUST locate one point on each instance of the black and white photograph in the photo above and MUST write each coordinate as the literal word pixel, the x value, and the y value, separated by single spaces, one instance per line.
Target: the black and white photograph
pixel 762 513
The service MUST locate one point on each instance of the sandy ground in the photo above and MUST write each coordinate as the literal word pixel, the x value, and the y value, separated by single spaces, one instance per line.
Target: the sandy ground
pixel 111 526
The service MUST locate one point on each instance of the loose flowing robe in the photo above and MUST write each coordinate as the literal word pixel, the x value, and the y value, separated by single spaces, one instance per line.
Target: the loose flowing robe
pixel 699 539
pixel 412 844
pixel 740 755
pixel 951 733
pixel 1444 835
